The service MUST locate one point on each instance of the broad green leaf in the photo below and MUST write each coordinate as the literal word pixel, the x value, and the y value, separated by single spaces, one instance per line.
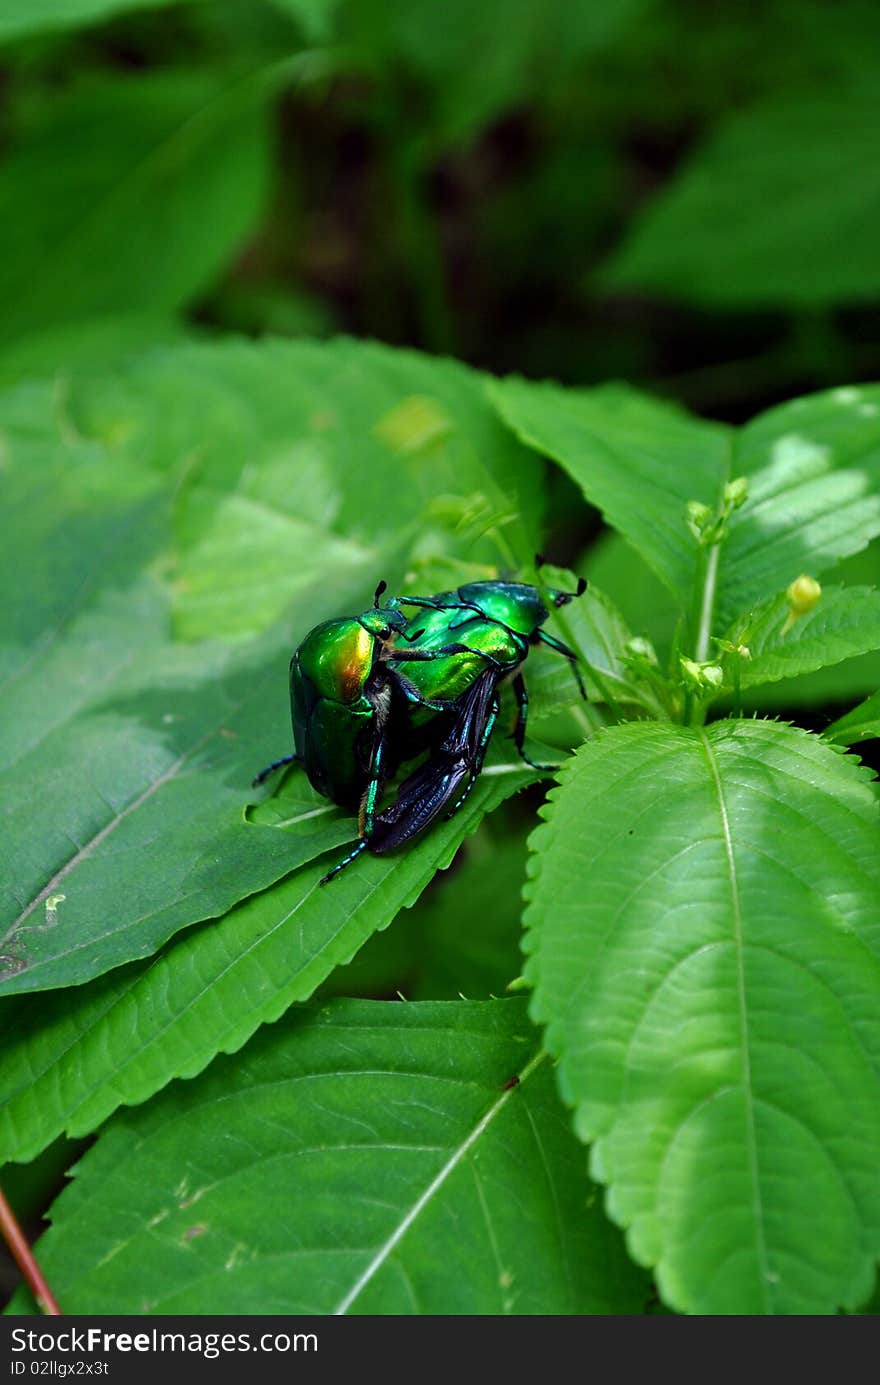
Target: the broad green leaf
pixel 279 440
pixel 639 460
pixel 778 207
pixel 129 194
pixel 814 493
pixel 21 17
pixel 841 683
pixel 861 724
pixel 405 1174
pixel 70 1058
pixel 813 467
pixel 121 745
pixel 125 760
pixel 705 954
pixel 243 557
pixel 89 345
pixel 846 622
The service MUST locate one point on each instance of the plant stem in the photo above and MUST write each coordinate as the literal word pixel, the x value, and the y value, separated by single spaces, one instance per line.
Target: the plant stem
pixel 707 604
pixel 24 1258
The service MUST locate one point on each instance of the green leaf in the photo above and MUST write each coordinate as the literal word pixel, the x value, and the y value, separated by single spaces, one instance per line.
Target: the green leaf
pixel 594 628
pixel 861 724
pixel 813 467
pixel 118 744
pixel 639 460
pixel 69 1059
pixel 124 759
pixel 712 999
pixel 88 345
pixel 299 453
pixel 846 622
pixel 778 207
pixel 128 195
pixel 406 1176
pixel 842 683
pixel 36 16
pixel 814 493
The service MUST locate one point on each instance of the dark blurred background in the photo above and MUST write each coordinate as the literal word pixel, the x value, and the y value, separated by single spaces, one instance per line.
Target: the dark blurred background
pixel 682 193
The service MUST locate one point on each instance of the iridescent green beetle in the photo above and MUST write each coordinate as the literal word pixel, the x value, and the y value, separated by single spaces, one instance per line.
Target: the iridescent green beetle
pixel 342 692
pixel 476 637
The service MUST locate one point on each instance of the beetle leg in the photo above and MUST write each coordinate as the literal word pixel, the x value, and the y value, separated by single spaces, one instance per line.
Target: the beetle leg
pixel 569 654
pixel 519 730
pixel 480 755
pixel 346 861
pixel 367 812
pixel 424 655
pixel 276 764
pixel 429 604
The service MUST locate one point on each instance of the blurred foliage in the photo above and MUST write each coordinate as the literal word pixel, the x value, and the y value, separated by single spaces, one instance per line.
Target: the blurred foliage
pixel 653 189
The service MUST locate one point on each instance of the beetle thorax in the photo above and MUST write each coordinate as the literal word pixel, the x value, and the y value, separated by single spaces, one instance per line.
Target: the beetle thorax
pixel 515 604
pixel 338 658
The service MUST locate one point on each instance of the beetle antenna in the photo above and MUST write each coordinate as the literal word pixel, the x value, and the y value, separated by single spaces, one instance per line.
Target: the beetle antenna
pixel 563 598
pixel 382 587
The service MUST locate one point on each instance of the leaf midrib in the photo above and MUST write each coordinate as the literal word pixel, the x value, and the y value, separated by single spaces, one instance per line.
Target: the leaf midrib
pixel 433 1187
pixel 742 1005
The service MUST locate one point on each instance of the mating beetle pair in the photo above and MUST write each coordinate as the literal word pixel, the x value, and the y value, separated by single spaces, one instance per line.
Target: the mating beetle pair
pixel 369 692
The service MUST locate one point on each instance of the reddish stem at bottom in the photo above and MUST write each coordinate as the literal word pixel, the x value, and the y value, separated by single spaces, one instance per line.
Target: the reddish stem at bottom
pixel 24 1258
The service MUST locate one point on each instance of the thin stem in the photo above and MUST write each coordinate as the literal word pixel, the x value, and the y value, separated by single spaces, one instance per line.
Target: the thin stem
pixel 24 1258
pixel 737 689
pixel 707 605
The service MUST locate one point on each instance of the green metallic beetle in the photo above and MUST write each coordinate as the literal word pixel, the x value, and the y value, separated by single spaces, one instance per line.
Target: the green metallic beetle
pixel 477 636
pixel 342 692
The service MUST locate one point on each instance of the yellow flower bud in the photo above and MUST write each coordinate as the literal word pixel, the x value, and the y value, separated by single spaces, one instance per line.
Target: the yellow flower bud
pixel 803 596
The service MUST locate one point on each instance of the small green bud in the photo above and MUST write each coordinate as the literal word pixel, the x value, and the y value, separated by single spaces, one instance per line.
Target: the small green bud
pixel 742 650
pixel 690 671
pixel 699 517
pixel 641 649
pixel 701 677
pixel 736 492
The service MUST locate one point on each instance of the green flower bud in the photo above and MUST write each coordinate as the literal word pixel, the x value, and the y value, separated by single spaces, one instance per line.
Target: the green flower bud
pixel 742 650
pixel 640 648
pixel 699 517
pixel 736 492
pixel 701 677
